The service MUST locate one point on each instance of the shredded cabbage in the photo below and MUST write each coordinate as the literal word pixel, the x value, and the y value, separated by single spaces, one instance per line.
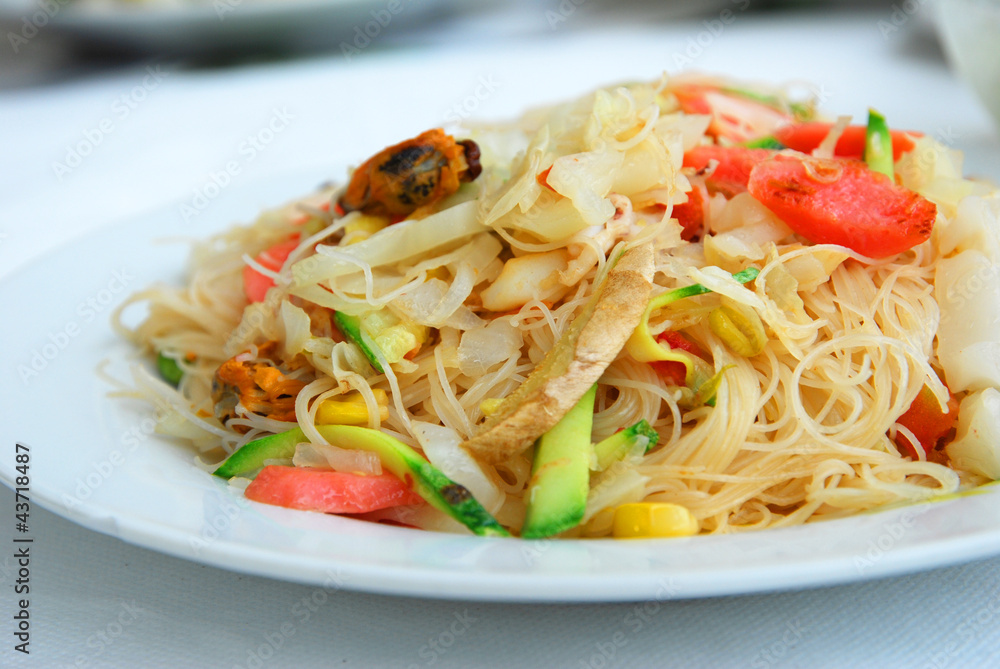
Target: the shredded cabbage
pixel 976 447
pixel 391 245
pixel 967 288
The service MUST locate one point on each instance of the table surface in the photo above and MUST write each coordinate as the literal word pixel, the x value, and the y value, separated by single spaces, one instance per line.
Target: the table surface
pixel 99 602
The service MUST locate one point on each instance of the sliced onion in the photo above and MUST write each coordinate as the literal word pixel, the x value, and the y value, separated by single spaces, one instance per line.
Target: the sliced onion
pixel 742 211
pixel 617 485
pixel 390 245
pixel 689 128
pixel 459 290
pixel 297 327
pixel 586 178
pixel 814 267
pixel 325 456
pixel 522 190
pixel 482 348
pixel 645 167
pixel 549 219
pixel 935 171
pixel 426 304
pixel 421 516
pixel 441 446
pixel 828 146
pixel 722 282
pixel 751 242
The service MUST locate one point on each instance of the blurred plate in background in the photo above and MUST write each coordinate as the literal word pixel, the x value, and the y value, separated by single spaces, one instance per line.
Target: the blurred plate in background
pixel 203 26
pixel 970 31
pixel 198 27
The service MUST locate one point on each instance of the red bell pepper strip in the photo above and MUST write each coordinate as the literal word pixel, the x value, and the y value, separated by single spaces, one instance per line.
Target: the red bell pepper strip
pixel 842 202
pixel 733 169
pixel 329 492
pixel 926 421
pixel 671 371
pixel 736 116
pixel 255 284
pixel 805 137
pixel 691 214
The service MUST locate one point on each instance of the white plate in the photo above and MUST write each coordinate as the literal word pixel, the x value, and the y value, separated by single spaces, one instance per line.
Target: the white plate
pixel 95 461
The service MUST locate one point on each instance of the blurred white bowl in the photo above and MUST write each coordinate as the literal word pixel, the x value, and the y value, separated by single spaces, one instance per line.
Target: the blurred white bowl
pixel 971 34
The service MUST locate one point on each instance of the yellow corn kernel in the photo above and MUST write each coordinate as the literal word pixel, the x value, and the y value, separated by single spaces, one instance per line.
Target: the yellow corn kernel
pixel 490 406
pixel 362 227
pixel 739 327
pixel 393 337
pixel 647 520
pixel 350 409
pixel 398 340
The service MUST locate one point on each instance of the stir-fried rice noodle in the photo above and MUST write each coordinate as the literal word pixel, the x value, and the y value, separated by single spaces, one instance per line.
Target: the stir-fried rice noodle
pixel 804 430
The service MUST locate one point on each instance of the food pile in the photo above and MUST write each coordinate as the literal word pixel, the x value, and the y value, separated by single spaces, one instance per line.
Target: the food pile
pixel 661 309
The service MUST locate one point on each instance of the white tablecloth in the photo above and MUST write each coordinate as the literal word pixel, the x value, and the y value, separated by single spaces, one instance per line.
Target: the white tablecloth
pixel 86 152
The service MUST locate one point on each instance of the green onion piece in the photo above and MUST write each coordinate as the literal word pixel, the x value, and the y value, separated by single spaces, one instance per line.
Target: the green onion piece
pixel 801 111
pixel 763 98
pixel 169 370
pixel 768 142
pixel 878 145
pixel 746 276
pixel 617 446
pixel 707 391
